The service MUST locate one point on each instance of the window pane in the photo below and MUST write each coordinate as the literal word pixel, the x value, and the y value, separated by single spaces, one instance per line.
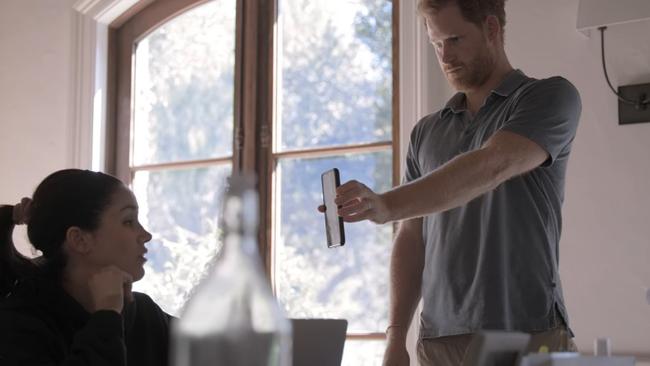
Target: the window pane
pixel 363 353
pixel 181 209
pixel 336 70
pixel 349 282
pixel 184 87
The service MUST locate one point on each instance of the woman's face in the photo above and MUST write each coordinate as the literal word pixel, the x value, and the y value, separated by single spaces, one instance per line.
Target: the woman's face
pixel 120 239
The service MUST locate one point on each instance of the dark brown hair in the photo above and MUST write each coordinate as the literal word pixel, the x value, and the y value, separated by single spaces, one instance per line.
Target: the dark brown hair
pixel 66 198
pixel 474 11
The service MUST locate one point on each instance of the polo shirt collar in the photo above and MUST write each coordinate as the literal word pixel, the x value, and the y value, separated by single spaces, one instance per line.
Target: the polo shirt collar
pixel 456 104
pixel 510 83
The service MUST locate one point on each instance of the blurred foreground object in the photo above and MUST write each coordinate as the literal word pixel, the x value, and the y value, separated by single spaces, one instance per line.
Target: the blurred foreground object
pixel 233 319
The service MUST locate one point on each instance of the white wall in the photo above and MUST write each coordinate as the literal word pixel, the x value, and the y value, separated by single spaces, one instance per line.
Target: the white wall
pixel 605 248
pixel 35 92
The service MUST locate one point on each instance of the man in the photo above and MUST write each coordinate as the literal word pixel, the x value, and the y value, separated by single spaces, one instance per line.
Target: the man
pixel 480 207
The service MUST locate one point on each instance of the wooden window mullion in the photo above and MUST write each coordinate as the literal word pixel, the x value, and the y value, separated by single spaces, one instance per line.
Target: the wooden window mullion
pixel 395 89
pixel 261 150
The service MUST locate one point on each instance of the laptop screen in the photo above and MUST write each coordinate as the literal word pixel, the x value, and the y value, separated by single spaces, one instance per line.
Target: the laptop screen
pixel 318 342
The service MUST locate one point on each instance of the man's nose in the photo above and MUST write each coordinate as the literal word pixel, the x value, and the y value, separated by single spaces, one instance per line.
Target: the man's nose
pixel 446 54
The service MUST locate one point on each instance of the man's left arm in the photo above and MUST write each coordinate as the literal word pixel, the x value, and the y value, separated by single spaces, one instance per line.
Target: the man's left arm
pixel 465 177
pixel 538 132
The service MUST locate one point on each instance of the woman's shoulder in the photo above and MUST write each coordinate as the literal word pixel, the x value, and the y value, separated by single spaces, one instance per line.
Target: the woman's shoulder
pixel 142 298
pixel 17 306
pixel 25 335
pixel 23 299
pixel 147 307
pixel 25 307
pixel 17 315
pixel 23 321
pixel 144 301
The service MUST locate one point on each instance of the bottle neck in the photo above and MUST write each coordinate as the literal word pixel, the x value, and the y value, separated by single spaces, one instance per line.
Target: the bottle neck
pixel 241 219
pixel 240 243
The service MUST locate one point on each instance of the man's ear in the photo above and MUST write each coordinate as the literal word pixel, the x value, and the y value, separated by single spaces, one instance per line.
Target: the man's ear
pixel 77 240
pixel 492 28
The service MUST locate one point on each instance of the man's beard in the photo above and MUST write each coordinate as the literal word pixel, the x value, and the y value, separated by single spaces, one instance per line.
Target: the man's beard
pixel 473 74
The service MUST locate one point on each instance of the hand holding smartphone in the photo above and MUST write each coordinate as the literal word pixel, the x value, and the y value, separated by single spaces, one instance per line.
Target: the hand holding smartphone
pixel 333 222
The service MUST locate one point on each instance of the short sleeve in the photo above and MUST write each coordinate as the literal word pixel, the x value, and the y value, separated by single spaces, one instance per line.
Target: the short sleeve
pixel 412 169
pixel 547 112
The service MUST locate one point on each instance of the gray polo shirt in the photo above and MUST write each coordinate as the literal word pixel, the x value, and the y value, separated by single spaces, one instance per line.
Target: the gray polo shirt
pixel 493 263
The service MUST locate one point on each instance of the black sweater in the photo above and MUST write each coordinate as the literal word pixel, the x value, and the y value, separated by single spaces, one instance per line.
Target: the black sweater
pixel 40 324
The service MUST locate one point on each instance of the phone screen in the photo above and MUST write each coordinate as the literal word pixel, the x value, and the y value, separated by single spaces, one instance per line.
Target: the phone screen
pixel 333 222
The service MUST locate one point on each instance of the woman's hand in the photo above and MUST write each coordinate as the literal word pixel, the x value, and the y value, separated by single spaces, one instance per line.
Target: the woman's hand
pixel 108 289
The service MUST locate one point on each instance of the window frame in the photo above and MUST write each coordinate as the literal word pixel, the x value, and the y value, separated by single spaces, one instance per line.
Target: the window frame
pixel 273 155
pixel 123 35
pixel 254 145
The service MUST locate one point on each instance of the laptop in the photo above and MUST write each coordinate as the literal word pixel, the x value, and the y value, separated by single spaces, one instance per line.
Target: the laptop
pixel 318 342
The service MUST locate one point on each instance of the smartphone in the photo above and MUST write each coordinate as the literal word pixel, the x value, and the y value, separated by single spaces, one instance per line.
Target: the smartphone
pixel 333 222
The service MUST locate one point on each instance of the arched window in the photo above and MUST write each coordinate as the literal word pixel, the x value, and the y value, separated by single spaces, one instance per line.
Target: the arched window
pixel 286 89
pixel 174 129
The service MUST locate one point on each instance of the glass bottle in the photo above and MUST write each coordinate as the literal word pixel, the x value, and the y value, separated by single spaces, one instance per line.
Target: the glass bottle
pixel 233 319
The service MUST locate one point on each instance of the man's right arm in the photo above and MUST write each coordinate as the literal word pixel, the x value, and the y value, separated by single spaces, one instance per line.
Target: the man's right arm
pixel 406 266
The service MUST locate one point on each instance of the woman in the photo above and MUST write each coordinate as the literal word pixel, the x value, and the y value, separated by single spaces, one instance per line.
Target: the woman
pixel 74 305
